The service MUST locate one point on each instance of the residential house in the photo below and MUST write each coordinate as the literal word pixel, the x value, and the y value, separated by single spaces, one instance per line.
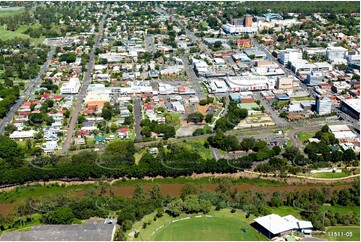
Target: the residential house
pixel 123 133
pixel 50 146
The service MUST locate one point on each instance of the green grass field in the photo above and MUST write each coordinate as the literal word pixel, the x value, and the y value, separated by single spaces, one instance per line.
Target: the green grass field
pixel 342 233
pixel 222 225
pixel 342 210
pixel 218 229
pixel 285 210
pixel 6 12
pixel 303 136
pixel 198 144
pixel 329 174
pixel 6 35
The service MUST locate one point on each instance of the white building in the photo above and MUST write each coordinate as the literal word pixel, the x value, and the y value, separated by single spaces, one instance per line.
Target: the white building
pixel 337 52
pixel 249 83
pixel 50 146
pixel 238 29
pixel 200 66
pixel 342 131
pixel 279 226
pixel 323 106
pixel 71 87
pixel 178 107
pixel 22 134
pixel 290 55
pixel 217 86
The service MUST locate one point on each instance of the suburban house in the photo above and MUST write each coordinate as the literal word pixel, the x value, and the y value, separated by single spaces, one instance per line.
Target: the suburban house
pixel 22 134
pixel 123 133
pixel 50 146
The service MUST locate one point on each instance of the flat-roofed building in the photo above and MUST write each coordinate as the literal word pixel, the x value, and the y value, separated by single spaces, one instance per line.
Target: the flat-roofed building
pixel 351 107
pixel 314 51
pixel 323 105
pixel 290 55
pixel 217 86
pixel 71 87
pixel 240 57
pixel 336 52
pixel 248 20
pixel 314 78
pixel 256 53
pixel 249 83
pixel 238 29
pixel 284 83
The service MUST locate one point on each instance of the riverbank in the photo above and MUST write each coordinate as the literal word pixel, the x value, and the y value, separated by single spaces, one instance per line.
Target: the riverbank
pixel 290 179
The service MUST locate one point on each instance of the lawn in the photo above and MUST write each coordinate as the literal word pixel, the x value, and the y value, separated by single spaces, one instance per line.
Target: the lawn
pixel 204 88
pixel 285 210
pixel 33 191
pixel 6 12
pixel 198 144
pixel 217 226
pixel 6 35
pixel 329 174
pixel 342 210
pixel 303 136
pixel 342 233
pixel 175 120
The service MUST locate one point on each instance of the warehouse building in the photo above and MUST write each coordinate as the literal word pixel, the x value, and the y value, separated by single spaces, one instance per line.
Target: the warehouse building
pixel 274 225
pixel 351 107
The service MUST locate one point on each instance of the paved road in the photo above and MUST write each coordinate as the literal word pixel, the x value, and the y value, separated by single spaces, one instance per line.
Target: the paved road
pixel 137 118
pixel 27 92
pixel 265 129
pixel 193 77
pixel 353 122
pixel 215 153
pixel 270 56
pixel 265 135
pixel 84 87
pixel 273 114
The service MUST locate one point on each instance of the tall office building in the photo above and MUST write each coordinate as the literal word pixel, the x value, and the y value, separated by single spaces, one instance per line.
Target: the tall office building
pixel 248 20
pixel 323 105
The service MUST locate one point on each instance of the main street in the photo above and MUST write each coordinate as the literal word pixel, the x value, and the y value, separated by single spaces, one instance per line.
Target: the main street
pixel 137 118
pixel 193 77
pixel 269 109
pixel 35 82
pixel 84 86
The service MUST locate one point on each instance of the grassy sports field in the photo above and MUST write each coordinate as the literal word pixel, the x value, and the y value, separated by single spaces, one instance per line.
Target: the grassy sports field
pixel 215 226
